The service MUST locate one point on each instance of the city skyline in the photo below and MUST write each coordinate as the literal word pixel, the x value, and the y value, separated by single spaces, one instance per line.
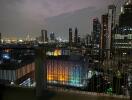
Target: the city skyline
pixel 19 18
pixel 78 46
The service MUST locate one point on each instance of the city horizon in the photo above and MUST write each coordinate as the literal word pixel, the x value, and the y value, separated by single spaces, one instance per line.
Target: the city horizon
pixel 76 16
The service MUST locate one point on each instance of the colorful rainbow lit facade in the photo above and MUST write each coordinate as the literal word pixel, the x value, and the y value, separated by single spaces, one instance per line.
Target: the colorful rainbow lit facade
pixel 65 73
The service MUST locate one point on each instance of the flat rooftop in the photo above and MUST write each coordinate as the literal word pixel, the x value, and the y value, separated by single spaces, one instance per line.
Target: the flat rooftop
pixel 15 65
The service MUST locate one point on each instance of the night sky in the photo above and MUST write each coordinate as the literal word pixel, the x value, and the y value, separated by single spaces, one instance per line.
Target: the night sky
pixel 19 17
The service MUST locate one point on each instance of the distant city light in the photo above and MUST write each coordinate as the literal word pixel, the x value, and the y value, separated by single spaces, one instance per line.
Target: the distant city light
pixel 20 40
pixel 122 10
pixel 124 53
pixel 56 52
pixel 6 56
pixel 12 83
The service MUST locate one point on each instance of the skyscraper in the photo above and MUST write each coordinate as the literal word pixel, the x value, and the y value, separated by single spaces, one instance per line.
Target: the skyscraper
pixel 111 25
pixel 108 24
pixel 76 36
pixel 88 39
pixel 70 36
pixel 79 39
pixel 52 36
pixel 96 32
pixel 104 31
pixel 44 37
pixel 125 19
pixel 123 32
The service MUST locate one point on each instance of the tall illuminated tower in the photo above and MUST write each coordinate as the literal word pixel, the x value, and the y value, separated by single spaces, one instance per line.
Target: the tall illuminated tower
pixel 96 32
pixel 125 19
pixel 104 30
pixel 52 36
pixel 44 37
pixel 123 32
pixel 76 36
pixel 70 36
pixel 111 25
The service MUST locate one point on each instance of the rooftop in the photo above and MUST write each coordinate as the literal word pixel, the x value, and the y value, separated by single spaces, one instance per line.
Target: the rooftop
pixel 13 65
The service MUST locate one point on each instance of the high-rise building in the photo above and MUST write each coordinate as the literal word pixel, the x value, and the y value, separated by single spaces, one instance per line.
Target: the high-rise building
pixel 111 25
pixel 122 38
pixel 88 40
pixel 107 28
pixel 13 71
pixel 28 37
pixel 76 36
pixel 125 19
pixel 79 39
pixel 44 37
pixel 70 36
pixel 123 33
pixel 104 30
pixel 52 36
pixel 96 33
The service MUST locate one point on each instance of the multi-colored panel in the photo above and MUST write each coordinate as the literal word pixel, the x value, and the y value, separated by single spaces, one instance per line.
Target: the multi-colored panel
pixel 64 72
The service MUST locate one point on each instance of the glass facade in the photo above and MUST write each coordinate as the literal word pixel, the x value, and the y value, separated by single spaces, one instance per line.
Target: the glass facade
pixel 13 75
pixel 123 38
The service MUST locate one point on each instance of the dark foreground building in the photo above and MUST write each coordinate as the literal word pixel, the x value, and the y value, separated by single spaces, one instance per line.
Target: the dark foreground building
pixel 16 66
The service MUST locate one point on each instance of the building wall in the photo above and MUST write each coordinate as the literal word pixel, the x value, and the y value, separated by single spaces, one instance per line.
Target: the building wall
pixel 13 75
pixel 104 30
pixel 25 70
pixel 9 75
pixel 96 32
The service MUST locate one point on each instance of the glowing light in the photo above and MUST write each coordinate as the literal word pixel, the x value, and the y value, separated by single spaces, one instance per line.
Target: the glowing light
pixel 12 83
pixel 20 40
pixel 63 78
pixel 57 52
pixel 58 74
pixel 109 90
pixel 75 76
pixel 6 56
pixel 7 50
pixel 66 73
pixel 49 53
pixel 90 74
pixel 122 10
pixel 50 78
